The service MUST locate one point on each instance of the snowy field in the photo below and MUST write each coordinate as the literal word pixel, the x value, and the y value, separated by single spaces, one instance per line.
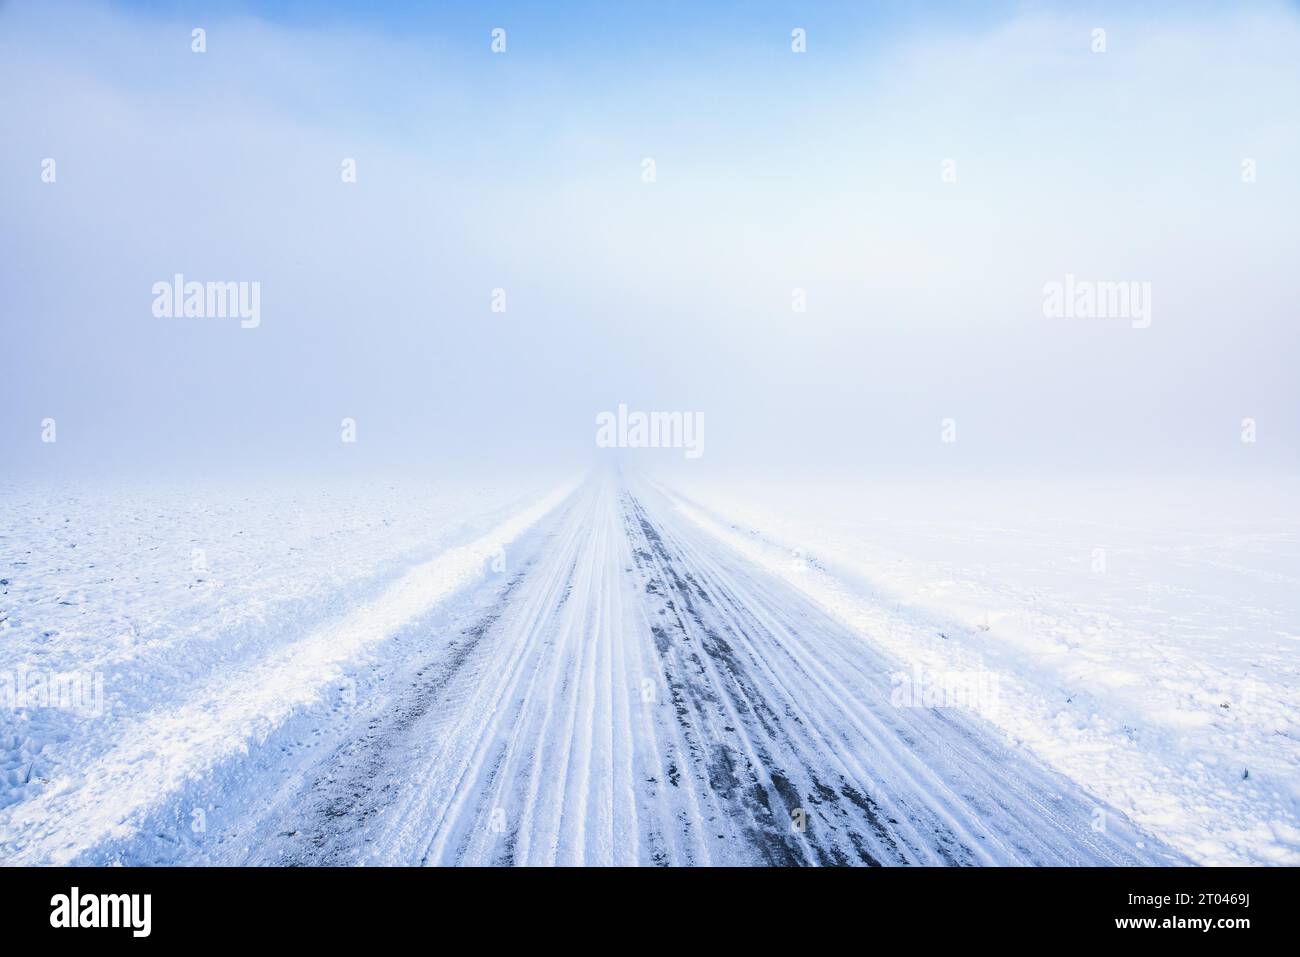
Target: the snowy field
pixel 122 606
pixel 446 302
pixel 1143 637
pixel 621 669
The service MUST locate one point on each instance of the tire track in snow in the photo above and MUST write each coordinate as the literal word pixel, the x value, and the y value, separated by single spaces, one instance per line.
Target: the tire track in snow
pixel 642 695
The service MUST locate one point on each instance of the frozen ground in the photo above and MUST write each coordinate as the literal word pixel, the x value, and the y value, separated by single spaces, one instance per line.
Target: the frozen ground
pixel 1143 636
pixel 614 685
pixel 622 670
pixel 118 604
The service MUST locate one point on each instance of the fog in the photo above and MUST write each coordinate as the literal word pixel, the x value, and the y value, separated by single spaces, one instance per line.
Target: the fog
pixel 780 179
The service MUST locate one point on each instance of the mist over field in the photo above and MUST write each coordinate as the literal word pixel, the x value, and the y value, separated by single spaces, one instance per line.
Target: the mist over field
pixel 777 175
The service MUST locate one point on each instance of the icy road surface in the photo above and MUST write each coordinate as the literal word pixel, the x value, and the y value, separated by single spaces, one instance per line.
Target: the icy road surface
pixel 640 696
pixel 631 691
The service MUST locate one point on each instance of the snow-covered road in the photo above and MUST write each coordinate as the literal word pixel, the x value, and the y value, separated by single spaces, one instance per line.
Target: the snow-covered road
pixel 620 687
pixel 637 694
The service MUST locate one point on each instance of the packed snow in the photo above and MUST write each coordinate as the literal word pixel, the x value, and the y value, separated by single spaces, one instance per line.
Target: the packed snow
pixel 1143 636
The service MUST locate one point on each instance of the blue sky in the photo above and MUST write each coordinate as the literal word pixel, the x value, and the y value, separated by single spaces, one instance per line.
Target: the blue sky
pixel 775 171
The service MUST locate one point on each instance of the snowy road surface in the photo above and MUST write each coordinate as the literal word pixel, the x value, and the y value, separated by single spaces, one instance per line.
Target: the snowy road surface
pixel 631 692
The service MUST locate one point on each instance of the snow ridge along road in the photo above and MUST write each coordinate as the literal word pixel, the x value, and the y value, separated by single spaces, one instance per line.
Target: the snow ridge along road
pixel 639 694
pixel 167 748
